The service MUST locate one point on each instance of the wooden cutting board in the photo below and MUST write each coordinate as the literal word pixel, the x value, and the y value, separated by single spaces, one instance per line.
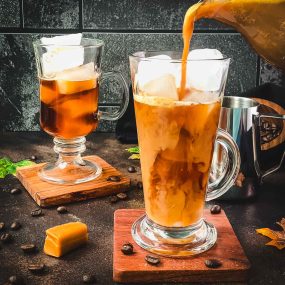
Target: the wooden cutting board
pixel 48 194
pixel 134 268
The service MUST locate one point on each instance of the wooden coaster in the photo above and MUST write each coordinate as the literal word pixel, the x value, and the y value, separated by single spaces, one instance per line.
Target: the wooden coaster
pixel 48 194
pixel 134 268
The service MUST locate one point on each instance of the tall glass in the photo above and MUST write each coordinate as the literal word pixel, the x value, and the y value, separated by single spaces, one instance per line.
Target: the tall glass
pixel 176 140
pixel 69 77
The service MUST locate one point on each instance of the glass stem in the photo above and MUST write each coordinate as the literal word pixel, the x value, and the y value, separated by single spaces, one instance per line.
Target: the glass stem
pixel 69 151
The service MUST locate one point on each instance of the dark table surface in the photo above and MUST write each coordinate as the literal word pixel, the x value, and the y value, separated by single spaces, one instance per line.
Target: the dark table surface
pixel 267 263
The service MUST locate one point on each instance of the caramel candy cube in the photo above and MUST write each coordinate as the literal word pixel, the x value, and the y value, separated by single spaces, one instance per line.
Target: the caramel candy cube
pixel 64 238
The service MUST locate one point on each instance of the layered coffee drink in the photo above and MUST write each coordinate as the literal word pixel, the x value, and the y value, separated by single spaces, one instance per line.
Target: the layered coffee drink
pixel 69 102
pixel 176 140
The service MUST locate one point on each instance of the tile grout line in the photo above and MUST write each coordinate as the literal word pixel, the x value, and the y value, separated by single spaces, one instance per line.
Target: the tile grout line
pixel 24 30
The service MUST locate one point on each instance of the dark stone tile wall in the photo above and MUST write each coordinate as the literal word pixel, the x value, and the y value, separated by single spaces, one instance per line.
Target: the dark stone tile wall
pixel 269 73
pixel 60 14
pixel 10 13
pixel 125 26
pixel 166 15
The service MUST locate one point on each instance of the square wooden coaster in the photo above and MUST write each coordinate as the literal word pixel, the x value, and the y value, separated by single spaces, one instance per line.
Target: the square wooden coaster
pixel 134 268
pixel 48 194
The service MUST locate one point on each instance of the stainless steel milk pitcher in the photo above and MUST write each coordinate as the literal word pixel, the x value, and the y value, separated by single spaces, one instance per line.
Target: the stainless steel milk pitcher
pixel 240 117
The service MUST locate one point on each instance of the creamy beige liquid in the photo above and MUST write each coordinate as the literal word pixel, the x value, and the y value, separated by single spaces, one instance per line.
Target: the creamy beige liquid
pixel 176 142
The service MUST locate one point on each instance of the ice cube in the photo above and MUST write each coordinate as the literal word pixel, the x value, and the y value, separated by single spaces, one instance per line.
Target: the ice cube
pixel 60 58
pixel 152 68
pixel 72 39
pixel 204 97
pixel 203 72
pixel 205 53
pixel 163 86
pixel 77 79
pixel 63 52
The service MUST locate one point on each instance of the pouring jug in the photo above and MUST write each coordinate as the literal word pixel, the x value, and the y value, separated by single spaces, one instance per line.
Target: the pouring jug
pixel 261 22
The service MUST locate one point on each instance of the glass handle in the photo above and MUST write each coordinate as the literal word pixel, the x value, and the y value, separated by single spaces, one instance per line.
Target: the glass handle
pixel 256 124
pixel 113 116
pixel 225 165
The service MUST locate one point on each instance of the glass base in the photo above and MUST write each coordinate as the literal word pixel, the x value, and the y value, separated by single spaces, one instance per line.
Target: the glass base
pixel 174 242
pixel 70 168
pixel 70 173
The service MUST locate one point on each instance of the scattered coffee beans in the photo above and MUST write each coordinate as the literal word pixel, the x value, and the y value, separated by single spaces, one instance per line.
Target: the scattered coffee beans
pixel 131 169
pixel 6 238
pixel 61 210
pixel 152 260
pixel 88 279
pixel 122 196
pixel 28 248
pixel 33 157
pixel 36 213
pixel 113 199
pixel 213 263
pixel 36 267
pixel 2 226
pixel 216 209
pixel 114 178
pixel 15 226
pixel 127 249
pixel 16 191
pixel 140 185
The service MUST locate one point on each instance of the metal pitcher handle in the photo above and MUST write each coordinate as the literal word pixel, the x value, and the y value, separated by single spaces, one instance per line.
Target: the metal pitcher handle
pixel 256 146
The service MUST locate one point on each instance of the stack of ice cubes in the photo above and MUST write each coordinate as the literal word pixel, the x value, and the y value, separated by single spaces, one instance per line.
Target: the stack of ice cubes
pixel 161 77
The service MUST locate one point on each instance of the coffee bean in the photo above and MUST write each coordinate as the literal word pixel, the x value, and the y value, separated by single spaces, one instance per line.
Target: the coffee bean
pixel 152 260
pixel 140 185
pixel 15 226
pixel 213 263
pixel 61 210
pixel 122 196
pixel 6 238
pixel 2 226
pixel 16 191
pixel 88 279
pixel 28 248
pixel 16 280
pixel 113 199
pixel 216 209
pixel 36 267
pixel 127 249
pixel 33 157
pixel 114 178
pixel 37 212
pixel 132 169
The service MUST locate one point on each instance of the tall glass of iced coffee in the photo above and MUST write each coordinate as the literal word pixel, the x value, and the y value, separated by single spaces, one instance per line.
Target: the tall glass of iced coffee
pixel 69 77
pixel 177 132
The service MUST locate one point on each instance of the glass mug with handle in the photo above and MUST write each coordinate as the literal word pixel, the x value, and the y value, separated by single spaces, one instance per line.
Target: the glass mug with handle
pixel 176 140
pixel 69 77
